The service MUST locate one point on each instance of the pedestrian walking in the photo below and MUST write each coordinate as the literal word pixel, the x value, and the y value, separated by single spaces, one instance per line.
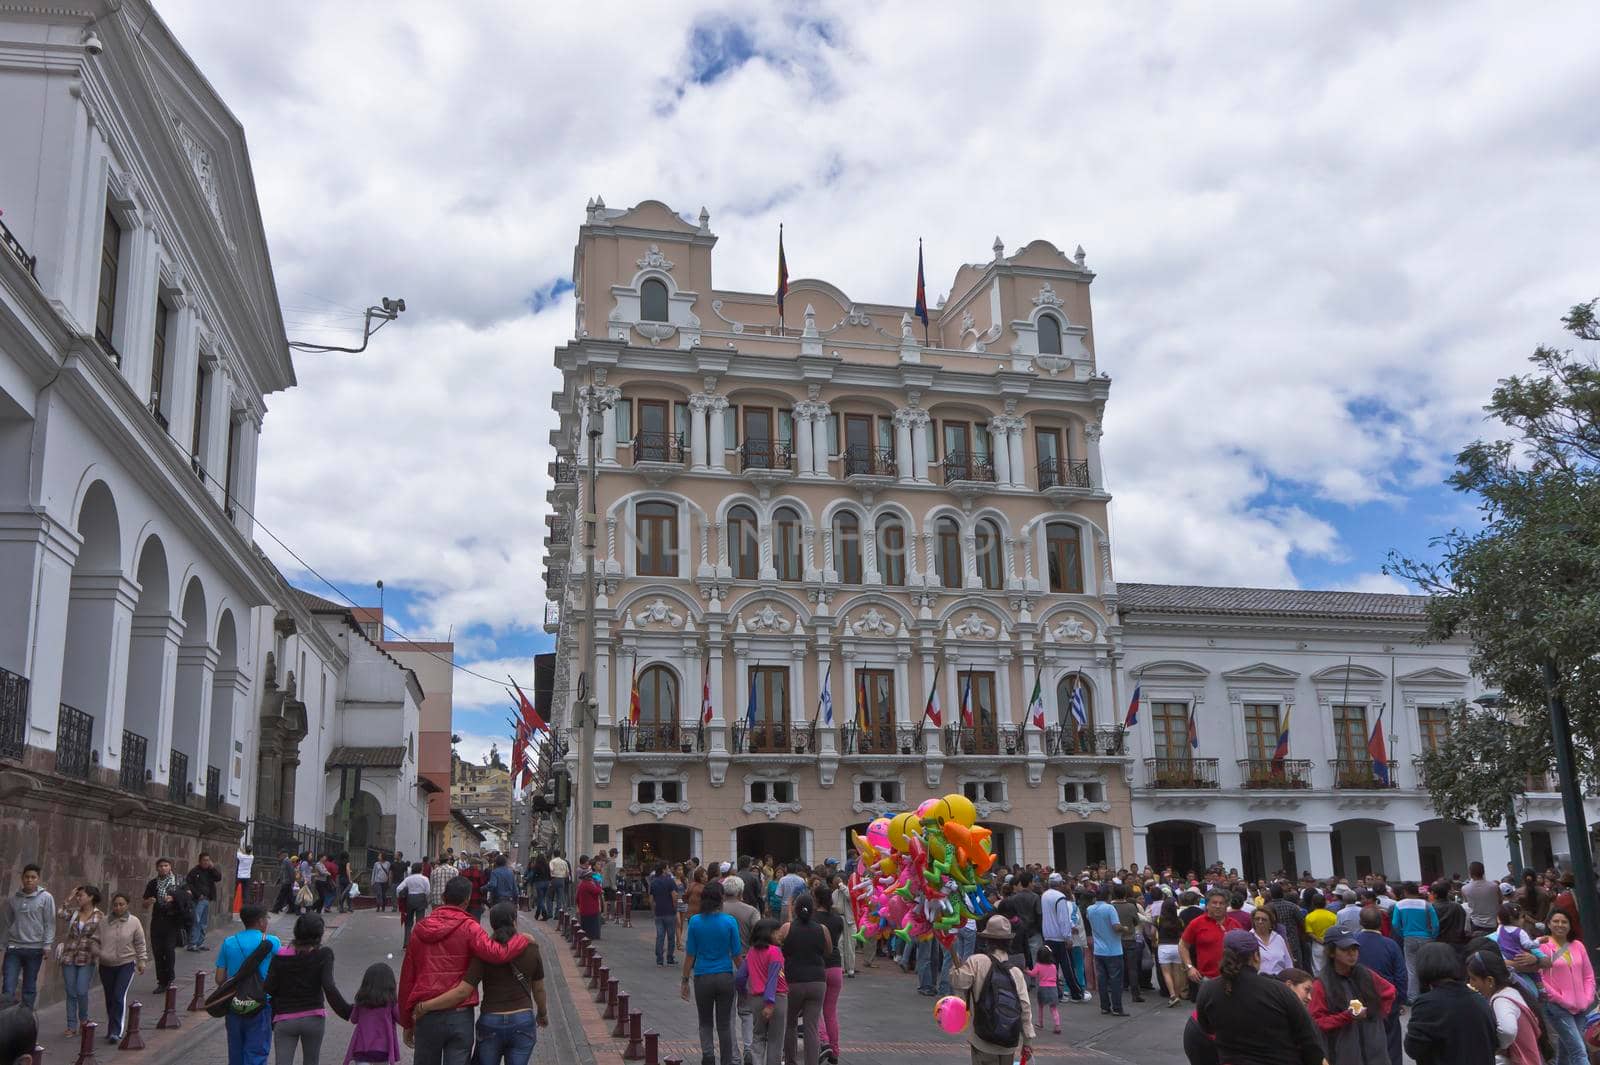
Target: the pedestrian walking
pixel 1450 1024
pixel 589 901
pixel 664 907
pixel 167 903
pixel 537 877
pixel 287 871
pixel 376 1016
pixel 1001 1010
pixel 1416 924
pixel 560 883
pixel 711 952
pixel 30 920
pixel 413 901
pixel 244 867
pixel 513 1008
pixel 249 1034
pixel 1254 1019
pixel 441 874
pixel 1105 933
pixel 201 884
pixel 78 952
pixel 1274 948
pixel 1569 988
pixel 502 886
pixel 1384 957
pixel 1047 987
pixel 766 984
pixel 833 974
pixel 806 946
pixel 301 988
pixel 1200 946
pixel 380 881
pixel 345 882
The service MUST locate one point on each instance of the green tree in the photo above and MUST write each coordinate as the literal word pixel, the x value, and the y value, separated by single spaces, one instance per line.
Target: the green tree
pixel 1525 585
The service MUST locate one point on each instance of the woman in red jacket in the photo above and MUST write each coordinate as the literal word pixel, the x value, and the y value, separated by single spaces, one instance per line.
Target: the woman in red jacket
pixel 1349 1003
pixel 589 896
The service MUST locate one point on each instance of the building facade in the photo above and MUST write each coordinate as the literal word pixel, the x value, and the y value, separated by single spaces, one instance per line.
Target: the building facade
pixel 483 794
pixel 140 333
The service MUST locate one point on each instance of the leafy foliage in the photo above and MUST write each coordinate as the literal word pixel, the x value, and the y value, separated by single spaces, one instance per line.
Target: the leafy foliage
pixel 1525 586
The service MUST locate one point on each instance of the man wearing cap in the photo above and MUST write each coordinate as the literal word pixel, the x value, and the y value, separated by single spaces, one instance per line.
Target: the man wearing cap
pixel 1058 918
pixel 967 978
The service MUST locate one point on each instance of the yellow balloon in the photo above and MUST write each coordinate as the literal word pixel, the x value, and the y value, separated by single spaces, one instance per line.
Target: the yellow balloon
pixel 961 810
pixel 898 827
pixel 887 866
pixel 939 811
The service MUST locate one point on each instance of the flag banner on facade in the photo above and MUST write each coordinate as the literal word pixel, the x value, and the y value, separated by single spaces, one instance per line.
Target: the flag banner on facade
pixel 633 696
pixel 932 711
pixel 1378 751
pixel 921 310
pixel 706 712
pixel 535 722
pixel 825 700
pixel 1036 704
pixel 1281 752
pixel 861 700
pixel 516 751
pixel 1080 711
pixel 783 272
pixel 750 709
pixel 966 703
pixel 1133 710
pixel 1194 731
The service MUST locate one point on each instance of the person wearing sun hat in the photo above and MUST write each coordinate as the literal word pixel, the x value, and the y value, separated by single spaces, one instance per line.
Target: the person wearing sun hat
pixel 1253 1019
pixel 967 978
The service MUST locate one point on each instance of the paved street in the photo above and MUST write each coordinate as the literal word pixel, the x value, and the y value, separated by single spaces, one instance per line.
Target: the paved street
pixel 882 1016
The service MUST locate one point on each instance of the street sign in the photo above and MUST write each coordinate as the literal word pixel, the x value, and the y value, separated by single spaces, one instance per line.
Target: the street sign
pixel 602 804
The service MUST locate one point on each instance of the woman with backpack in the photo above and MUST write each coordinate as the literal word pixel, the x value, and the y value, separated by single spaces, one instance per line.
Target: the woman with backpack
pixel 1000 1010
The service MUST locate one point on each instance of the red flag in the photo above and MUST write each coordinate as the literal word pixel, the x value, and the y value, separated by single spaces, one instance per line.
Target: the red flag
pixel 705 697
pixel 527 777
pixel 530 716
pixel 633 696
pixel 1378 752
pixel 516 751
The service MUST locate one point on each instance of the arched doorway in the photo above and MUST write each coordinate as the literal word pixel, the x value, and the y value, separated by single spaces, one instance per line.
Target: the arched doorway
pixel 366 827
pixel 1441 849
pixel 1267 848
pixel 150 662
pixel 1082 845
pixel 89 657
pixel 192 704
pixel 644 845
pixel 1175 845
pixel 1358 849
pixel 784 843
pixel 1543 842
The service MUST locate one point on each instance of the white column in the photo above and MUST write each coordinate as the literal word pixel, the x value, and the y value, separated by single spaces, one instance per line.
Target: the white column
pixel 1222 845
pixel 764 533
pixel 720 714
pixel 919 447
pixel 808 567
pixel 869 554
pixel 802 437
pixel 1313 850
pixel 717 459
pixel 998 434
pixel 1092 434
pixel 1401 859
pixel 819 433
pixel 1014 445
pixel 608 428
pixel 904 460
pixel 969 561
pixel 698 404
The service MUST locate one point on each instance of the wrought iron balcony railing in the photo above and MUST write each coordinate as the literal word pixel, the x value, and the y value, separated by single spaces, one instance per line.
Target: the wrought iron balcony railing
pixel 13 713
pixel 1180 773
pixel 877 738
pixel 1107 741
pixel 772 737
pixel 965 466
pixel 74 742
pixel 29 263
pixel 565 471
pixel 1268 774
pixel 665 737
pixel 862 461
pixel 759 454
pixel 560 532
pixel 132 776
pixel 658 447
pixel 1055 473
pixel 992 740
pixel 177 777
pixel 1363 774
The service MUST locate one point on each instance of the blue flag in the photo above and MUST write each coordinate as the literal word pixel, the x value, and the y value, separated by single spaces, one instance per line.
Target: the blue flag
pixel 825 703
pixel 750 711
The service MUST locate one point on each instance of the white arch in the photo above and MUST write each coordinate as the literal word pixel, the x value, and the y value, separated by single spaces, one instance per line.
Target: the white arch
pixel 795 503
pixel 690 605
pixel 873 598
pixel 774 594
pixel 738 498
pixel 832 510
pixel 967 603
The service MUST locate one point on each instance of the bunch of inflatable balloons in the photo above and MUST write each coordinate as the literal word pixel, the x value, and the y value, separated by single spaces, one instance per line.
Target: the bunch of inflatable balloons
pixel 920 872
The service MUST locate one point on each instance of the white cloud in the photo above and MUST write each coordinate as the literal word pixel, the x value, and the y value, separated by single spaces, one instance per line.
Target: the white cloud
pixel 1376 582
pixel 1321 234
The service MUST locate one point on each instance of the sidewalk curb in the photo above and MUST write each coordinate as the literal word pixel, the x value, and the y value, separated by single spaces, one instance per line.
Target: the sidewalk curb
pixel 567 1028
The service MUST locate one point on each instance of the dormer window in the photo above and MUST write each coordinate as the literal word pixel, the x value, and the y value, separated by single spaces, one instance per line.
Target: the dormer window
pixel 1049 335
pixel 653 302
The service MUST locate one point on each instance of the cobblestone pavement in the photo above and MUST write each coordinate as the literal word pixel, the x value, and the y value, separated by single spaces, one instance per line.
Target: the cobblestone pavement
pixel 882 1016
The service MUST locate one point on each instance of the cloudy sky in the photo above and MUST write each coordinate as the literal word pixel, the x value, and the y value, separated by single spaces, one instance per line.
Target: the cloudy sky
pixel 1321 232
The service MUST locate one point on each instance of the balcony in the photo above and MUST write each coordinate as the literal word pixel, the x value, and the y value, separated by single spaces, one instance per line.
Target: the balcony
pixel 1062 480
pixel 199 470
pixel 560 534
pixel 658 447
pixel 766 462
pixel 177 777
pixel 774 737
pixel 1184 774
pixel 874 739
pixel 29 263
pixel 552 617
pixel 1266 774
pixel 155 411
pixel 564 474
pixel 870 467
pixel 992 741
pixel 1107 741
pixel 1361 774
pixel 134 774
pixel 967 475
pixel 74 742
pixel 667 737
pixel 13 713
pixel 213 789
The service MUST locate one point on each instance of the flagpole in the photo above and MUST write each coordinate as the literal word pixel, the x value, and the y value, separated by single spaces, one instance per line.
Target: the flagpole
pixel 925 341
pixel 782 282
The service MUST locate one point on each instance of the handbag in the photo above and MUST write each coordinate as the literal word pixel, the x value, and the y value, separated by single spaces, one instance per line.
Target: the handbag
pixel 242 993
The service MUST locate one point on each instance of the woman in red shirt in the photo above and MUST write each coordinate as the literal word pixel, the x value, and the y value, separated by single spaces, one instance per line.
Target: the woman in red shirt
pixel 589 896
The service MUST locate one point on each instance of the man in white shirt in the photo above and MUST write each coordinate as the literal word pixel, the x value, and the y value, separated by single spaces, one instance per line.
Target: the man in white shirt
pixel 560 882
pixel 1058 918
pixel 412 897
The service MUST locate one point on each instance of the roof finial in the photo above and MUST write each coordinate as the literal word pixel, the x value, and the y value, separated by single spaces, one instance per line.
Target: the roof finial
pixel 705 219
pixel 1079 256
pixel 999 249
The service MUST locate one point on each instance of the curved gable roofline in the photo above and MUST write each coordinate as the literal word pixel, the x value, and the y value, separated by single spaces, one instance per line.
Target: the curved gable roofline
pixel 651 214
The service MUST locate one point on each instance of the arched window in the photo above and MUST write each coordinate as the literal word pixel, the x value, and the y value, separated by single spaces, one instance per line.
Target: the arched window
pixel 1064 715
pixel 653 302
pixel 948 559
pixel 786 544
pixel 1049 334
pixel 656 529
pixel 991 564
pixel 658 696
pixel 847 547
pixel 1063 556
pixel 744 548
pixel 891 551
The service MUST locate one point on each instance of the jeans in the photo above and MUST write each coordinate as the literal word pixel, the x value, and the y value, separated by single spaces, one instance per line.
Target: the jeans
pixel 930 959
pixel 304 1032
pixel 24 961
pixel 541 898
pixel 1568 1030
pixel 197 931
pixel 766 1042
pixel 77 978
pixel 249 1038
pixel 1131 977
pixel 744 1024
pixel 507 1038
pixel 805 1003
pixel 714 995
pixel 115 981
pixel 829 1029
pixel 558 893
pixel 1108 974
pixel 380 890
pixel 444 1037
pixel 966 943
pixel 666 936
pixel 1411 945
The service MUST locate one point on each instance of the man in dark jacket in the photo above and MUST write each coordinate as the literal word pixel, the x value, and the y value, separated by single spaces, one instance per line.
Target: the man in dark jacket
pixel 1451 1024
pixel 202 883
pixel 442 945
pixel 170 914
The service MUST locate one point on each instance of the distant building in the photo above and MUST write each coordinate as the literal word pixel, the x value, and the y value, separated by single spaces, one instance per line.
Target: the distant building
pixel 482 793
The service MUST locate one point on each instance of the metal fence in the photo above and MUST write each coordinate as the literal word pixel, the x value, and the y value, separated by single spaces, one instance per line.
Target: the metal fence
pixel 13 713
pixel 268 836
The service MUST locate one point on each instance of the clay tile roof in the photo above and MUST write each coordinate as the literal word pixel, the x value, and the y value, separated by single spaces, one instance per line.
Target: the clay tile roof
pixel 1135 599
pixel 367 758
pixel 317 604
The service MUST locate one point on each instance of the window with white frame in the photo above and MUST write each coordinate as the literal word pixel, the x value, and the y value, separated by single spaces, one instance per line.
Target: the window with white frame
pixel 650 791
pixel 775 791
pixel 1076 791
pixel 993 791
pixel 878 792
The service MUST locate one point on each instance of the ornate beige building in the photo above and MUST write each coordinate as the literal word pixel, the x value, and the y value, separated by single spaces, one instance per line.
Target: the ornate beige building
pixel 839 506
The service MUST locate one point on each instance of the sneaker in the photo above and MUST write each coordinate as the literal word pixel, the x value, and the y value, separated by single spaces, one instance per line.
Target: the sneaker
pixel 1105 1011
pixel 1121 1013
pixel 1057 1031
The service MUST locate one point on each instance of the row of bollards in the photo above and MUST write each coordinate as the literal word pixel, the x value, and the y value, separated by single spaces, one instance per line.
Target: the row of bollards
pixel 640 1045
pixel 131 1039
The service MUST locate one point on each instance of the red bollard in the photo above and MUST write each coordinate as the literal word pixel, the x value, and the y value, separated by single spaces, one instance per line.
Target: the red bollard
pixel 635 1048
pixel 650 1048
pixel 198 1003
pixel 131 1039
pixel 672 1061
pixel 169 1015
pixel 38 1056
pixel 86 1045
pixel 620 1029
pixel 611 1001
pixel 601 980
pixel 594 974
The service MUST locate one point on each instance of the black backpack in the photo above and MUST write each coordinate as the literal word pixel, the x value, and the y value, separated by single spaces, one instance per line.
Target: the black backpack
pixel 997 1014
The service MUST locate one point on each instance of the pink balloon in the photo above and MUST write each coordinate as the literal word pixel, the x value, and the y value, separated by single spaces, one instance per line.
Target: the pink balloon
pixel 926 805
pixel 951 1013
pixel 878 835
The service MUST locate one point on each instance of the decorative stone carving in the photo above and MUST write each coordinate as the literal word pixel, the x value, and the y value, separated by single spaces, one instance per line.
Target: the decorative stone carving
pixel 734 326
pixel 973 627
pixel 658 809
pixel 772 808
pixel 768 619
pixel 200 162
pixel 654 260
pixel 1072 629
pixel 1047 297
pixel 1083 807
pixel 657 612
pixel 873 623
